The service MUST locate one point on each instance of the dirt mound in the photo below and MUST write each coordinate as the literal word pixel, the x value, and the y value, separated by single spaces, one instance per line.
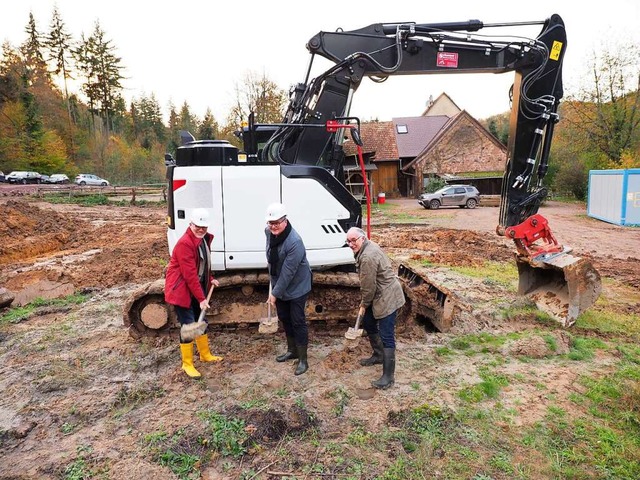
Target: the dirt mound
pixel 28 231
pixel 445 246
pixel 78 247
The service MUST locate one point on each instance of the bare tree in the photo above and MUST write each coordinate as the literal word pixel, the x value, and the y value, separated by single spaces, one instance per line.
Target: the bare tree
pixel 260 95
pixel 606 111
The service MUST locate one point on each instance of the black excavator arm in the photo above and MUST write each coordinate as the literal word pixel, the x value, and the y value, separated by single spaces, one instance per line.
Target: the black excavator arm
pixel 382 50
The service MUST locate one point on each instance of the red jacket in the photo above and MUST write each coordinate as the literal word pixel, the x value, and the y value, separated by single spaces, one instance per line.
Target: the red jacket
pixel 181 280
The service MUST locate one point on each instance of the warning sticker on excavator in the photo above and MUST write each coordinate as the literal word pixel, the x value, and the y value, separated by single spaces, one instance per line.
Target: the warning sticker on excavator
pixel 556 48
pixel 447 59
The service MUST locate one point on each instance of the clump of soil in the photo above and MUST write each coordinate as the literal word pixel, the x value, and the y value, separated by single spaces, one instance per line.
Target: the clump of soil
pixel 272 424
pixel 535 346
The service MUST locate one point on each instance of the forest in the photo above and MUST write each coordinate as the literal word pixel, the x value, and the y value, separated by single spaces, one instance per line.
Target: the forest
pixel 62 110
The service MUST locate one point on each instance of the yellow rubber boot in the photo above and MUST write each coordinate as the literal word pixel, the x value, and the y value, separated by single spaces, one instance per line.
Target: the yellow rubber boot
pixel 186 349
pixel 203 348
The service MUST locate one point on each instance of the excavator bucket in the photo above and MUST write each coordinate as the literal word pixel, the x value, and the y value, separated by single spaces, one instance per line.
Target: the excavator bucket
pixel 560 284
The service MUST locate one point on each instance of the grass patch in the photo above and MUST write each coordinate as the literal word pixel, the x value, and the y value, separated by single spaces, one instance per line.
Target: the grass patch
pixel 626 325
pixel 130 398
pixel 584 348
pixel 189 449
pixel 443 351
pixel 603 438
pixel 81 468
pixel 489 387
pixel 529 313
pixel 478 343
pixel 19 314
pixel 225 435
pixel 86 200
pixel 492 273
pixel 341 396
pixel 392 213
pixel 182 464
pixel 91 200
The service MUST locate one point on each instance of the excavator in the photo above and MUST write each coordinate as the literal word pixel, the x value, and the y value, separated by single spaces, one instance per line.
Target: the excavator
pixel 299 162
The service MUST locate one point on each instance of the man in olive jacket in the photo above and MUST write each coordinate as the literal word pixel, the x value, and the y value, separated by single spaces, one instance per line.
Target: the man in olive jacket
pixel 382 296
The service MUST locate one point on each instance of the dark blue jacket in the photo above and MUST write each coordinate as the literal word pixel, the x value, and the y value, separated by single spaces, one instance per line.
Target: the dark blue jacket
pixel 294 279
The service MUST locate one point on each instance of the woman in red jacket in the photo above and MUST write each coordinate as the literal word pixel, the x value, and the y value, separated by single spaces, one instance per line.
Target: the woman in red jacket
pixel 187 282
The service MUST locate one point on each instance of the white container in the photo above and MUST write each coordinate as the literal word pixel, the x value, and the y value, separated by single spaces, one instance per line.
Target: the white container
pixel 614 196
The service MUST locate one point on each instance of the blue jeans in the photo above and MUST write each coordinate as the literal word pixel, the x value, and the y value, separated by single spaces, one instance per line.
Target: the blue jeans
pixel 385 327
pixel 291 314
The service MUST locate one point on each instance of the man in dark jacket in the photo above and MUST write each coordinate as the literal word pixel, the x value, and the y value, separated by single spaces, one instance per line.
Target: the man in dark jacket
pixel 382 296
pixel 187 281
pixel 290 281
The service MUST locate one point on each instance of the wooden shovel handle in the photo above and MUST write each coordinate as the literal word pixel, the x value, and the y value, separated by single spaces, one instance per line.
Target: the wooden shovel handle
pixel 202 312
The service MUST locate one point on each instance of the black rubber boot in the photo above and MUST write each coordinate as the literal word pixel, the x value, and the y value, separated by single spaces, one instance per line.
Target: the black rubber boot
pixel 388 369
pixel 376 358
pixel 303 366
pixel 291 352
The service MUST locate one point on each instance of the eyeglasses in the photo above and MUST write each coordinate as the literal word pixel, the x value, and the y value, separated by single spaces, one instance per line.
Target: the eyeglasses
pixel 198 228
pixel 275 223
pixel 354 240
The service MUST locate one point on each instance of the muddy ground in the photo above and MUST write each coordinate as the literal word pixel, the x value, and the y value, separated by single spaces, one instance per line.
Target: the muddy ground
pixel 75 386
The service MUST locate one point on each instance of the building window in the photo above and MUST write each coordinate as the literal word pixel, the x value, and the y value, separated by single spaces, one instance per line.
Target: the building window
pixel 402 129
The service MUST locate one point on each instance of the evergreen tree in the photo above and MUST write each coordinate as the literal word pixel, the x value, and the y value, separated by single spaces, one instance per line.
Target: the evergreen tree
pixel 58 44
pixel 208 128
pixel 31 50
pixel 174 130
pixel 101 70
pixel 187 121
pixel 147 121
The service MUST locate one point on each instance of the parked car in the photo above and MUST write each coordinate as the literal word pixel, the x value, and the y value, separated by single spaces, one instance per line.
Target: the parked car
pixel 86 179
pixel 23 177
pixel 451 195
pixel 58 178
pixel 2 179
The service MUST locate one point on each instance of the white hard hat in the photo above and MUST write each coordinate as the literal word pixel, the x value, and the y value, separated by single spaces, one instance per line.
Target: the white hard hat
pixel 200 217
pixel 276 211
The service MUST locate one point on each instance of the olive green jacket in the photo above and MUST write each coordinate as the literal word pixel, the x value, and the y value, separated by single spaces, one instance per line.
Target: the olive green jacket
pixel 379 285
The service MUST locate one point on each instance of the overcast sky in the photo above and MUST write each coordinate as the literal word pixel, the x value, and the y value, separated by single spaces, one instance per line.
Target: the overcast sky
pixel 198 50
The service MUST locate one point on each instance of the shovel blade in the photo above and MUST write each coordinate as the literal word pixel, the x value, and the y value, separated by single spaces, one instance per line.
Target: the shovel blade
pixel 268 325
pixel 353 333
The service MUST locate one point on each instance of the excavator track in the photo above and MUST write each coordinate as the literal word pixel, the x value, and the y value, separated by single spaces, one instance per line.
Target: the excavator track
pixel 240 302
pixel 561 285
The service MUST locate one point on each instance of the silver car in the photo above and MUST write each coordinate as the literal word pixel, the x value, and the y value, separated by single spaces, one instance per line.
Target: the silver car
pixel 451 196
pixel 86 179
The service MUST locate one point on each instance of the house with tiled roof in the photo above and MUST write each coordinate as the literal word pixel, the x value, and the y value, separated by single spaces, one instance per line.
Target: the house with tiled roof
pixel 400 156
pixel 462 147
pixel 380 154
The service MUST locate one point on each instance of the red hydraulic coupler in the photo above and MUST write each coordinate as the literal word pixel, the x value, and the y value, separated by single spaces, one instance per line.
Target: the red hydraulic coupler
pixel 533 229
